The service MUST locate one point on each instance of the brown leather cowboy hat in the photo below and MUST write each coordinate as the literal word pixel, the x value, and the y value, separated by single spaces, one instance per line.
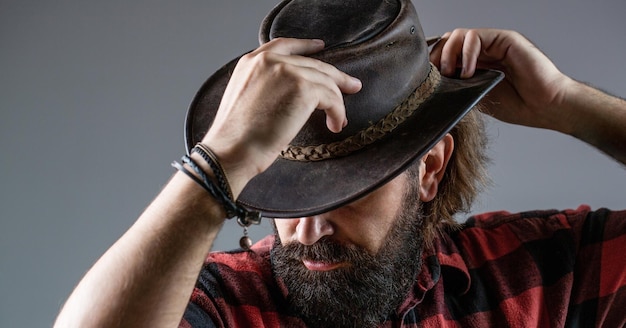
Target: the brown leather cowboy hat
pixel 403 109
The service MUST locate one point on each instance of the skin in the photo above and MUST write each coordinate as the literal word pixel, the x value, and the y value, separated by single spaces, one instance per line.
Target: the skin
pixel 367 221
pixel 147 276
pixel 535 93
pixel 299 85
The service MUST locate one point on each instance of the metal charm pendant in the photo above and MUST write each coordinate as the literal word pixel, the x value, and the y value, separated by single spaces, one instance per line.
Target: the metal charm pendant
pixel 245 242
pixel 250 218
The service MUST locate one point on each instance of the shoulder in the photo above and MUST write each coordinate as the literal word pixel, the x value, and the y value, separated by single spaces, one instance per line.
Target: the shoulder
pixel 491 220
pixel 225 274
pixel 549 235
pixel 539 256
pixel 237 288
pixel 602 223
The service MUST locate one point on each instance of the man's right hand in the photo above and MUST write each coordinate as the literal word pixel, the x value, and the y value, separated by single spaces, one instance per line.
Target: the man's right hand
pixel 270 96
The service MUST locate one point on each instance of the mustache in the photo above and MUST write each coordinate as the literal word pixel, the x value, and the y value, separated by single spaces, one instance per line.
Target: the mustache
pixel 326 250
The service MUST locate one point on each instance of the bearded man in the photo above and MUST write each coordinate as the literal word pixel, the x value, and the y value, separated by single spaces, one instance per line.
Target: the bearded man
pixel 363 146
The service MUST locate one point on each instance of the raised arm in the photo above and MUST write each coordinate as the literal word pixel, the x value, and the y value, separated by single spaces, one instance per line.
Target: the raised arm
pixel 146 278
pixel 535 93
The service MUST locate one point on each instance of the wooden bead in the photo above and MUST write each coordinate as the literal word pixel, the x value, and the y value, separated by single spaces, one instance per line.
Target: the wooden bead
pixel 245 243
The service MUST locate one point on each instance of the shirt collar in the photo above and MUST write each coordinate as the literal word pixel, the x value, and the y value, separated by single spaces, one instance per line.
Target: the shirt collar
pixel 453 269
pixel 441 263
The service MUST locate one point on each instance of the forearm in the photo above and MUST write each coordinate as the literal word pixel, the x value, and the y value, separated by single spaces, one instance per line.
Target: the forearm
pixel 596 118
pixel 146 278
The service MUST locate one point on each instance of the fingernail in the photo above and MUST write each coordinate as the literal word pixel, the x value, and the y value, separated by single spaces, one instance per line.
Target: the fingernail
pixel 320 42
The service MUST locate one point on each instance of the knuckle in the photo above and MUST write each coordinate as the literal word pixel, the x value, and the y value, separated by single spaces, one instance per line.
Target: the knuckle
pixel 300 85
pixel 246 58
pixel 273 43
pixel 458 32
pixel 259 60
pixel 290 78
pixel 335 97
pixel 471 34
pixel 282 70
pixel 515 34
pixel 253 58
pixel 278 40
pixel 264 58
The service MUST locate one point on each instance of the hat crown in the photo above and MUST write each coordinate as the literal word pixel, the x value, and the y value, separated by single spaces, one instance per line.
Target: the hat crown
pixel 378 41
pixel 338 23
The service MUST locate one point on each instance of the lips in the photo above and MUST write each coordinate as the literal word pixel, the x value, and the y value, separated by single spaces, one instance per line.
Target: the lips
pixel 321 266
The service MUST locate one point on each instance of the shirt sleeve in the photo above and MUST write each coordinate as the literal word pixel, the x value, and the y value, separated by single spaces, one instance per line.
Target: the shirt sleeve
pixel 195 317
pixel 207 306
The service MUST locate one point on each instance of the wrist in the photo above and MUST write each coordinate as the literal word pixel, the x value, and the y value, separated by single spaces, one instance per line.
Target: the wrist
pixel 216 184
pixel 237 164
pixel 567 116
pixel 579 109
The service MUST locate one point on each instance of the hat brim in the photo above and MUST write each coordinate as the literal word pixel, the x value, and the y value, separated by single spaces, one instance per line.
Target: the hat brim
pixel 291 189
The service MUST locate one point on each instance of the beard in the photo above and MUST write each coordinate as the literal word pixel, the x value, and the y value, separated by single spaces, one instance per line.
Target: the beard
pixel 365 292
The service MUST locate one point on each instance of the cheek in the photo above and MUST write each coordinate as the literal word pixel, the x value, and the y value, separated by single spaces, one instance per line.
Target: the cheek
pixel 377 231
pixel 285 228
pixel 366 226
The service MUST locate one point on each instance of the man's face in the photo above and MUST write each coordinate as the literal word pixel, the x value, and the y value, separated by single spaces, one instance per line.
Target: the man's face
pixel 352 266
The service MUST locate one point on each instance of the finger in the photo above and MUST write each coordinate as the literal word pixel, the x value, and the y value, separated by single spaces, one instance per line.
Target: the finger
pixel 451 51
pixel 331 102
pixel 293 52
pixel 471 51
pixel 346 83
pixel 435 52
pixel 327 97
pixel 324 80
pixel 291 46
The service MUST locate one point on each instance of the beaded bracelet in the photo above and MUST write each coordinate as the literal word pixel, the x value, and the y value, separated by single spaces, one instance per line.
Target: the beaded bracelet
pixel 222 193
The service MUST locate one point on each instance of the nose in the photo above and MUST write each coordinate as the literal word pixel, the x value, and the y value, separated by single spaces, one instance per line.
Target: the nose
pixel 311 228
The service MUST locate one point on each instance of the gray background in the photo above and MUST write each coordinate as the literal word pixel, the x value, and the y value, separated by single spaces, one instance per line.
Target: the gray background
pixel 93 96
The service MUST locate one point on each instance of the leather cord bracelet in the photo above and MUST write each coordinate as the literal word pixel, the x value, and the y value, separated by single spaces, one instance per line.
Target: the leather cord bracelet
pixel 231 208
pixel 221 194
pixel 210 157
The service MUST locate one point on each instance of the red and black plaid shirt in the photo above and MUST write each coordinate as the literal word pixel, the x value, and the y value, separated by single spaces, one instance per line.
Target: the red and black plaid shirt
pixel 533 269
